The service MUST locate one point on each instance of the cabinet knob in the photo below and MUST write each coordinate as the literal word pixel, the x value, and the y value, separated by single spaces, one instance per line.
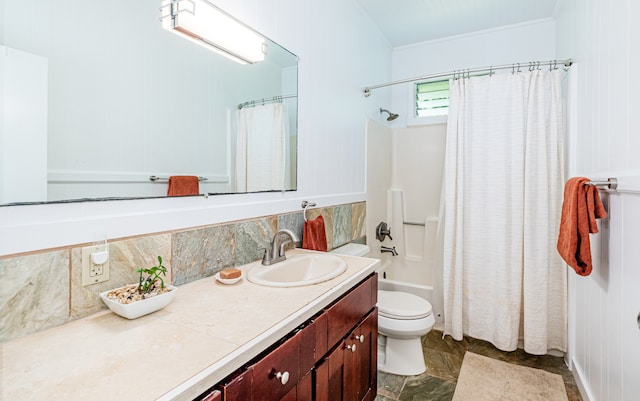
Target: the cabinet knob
pixel 351 347
pixel 359 338
pixel 283 377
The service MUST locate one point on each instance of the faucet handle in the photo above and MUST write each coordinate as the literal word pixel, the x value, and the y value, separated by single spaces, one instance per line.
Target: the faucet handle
pixel 266 257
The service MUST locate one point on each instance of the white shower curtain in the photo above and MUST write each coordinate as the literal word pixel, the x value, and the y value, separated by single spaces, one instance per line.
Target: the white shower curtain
pixel 261 148
pixel 503 280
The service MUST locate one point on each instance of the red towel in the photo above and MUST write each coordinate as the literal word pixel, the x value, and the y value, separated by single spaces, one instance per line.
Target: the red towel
pixel 314 236
pixel 180 185
pixel 580 209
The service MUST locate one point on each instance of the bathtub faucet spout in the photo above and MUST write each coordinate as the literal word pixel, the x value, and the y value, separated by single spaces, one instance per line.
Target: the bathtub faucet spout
pixel 388 249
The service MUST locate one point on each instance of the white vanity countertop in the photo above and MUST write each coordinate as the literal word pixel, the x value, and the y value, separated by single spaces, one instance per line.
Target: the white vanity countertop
pixel 208 331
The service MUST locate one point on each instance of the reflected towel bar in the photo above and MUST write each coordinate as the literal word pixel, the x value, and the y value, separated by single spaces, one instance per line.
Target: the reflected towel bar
pixel 155 178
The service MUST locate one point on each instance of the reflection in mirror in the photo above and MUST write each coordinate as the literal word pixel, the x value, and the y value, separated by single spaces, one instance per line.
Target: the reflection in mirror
pixel 100 99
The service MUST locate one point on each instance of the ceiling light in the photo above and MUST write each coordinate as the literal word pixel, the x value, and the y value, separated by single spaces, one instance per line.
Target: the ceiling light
pixel 207 25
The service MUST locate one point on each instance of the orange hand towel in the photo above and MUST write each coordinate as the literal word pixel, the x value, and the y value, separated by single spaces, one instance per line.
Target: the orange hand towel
pixel 580 209
pixel 314 236
pixel 180 185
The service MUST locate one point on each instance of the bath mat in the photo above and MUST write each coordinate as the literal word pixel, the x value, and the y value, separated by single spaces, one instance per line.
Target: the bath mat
pixel 487 379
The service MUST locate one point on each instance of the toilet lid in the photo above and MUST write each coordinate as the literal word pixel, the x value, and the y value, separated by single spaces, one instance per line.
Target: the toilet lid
pixel 402 305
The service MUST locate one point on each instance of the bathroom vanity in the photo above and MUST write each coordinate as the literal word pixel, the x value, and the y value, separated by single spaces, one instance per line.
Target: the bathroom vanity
pixel 330 357
pixel 213 342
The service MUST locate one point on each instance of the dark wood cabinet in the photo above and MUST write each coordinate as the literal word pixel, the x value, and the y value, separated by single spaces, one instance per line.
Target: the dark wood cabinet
pixel 215 395
pixel 332 357
pixel 348 373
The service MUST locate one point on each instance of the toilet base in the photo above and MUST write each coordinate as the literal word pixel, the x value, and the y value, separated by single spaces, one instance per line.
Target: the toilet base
pixel 402 357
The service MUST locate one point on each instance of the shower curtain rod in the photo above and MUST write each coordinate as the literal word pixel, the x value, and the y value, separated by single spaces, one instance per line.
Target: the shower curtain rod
pixel 453 74
pixel 262 101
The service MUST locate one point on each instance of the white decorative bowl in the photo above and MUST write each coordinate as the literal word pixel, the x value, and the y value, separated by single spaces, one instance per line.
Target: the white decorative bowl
pixel 142 307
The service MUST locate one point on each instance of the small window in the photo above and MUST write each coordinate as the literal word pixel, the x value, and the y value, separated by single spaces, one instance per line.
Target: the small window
pixel 432 99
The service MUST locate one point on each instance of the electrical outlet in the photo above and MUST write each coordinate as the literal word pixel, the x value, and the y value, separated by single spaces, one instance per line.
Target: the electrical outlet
pixel 95 264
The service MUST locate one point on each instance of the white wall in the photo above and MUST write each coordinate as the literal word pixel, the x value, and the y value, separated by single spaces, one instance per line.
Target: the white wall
pixel 603 38
pixel 340 51
pixel 23 126
pixel 515 43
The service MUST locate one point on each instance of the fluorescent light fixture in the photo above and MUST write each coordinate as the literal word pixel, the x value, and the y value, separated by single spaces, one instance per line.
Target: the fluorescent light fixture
pixel 207 25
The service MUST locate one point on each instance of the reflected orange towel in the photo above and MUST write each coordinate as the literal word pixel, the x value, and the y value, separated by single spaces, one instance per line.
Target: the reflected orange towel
pixel 180 185
pixel 314 236
pixel 580 209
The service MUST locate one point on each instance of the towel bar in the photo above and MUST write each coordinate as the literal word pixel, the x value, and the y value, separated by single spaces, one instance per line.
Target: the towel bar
pixel 155 178
pixel 610 183
pixel 305 205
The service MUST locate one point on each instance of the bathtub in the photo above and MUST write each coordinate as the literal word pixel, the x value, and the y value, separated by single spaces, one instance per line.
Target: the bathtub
pixel 413 276
pixel 397 273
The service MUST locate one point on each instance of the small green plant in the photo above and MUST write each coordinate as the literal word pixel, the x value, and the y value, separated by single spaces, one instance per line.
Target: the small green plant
pixel 147 284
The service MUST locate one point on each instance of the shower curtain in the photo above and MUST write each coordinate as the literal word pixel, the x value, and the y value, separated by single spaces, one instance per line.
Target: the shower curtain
pixel 261 148
pixel 503 280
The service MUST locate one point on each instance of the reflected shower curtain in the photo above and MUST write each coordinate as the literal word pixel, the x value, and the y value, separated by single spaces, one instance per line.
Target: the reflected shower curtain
pixel 503 280
pixel 261 148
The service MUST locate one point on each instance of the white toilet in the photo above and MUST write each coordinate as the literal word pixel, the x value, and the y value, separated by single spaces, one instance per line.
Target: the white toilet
pixel 403 319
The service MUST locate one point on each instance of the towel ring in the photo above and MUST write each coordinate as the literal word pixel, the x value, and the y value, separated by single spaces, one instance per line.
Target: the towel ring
pixel 305 205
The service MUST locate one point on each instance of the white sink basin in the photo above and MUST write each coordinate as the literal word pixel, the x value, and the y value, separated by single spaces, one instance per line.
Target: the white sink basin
pixel 298 270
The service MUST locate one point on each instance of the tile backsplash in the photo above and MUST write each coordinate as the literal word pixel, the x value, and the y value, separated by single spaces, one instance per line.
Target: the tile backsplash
pixel 43 290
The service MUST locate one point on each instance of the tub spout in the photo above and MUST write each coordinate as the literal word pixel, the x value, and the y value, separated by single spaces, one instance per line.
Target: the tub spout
pixel 391 250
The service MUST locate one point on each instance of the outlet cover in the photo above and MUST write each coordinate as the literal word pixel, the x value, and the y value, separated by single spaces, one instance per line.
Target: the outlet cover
pixel 93 273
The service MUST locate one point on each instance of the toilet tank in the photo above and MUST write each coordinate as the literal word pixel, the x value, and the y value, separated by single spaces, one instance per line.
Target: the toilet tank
pixel 352 249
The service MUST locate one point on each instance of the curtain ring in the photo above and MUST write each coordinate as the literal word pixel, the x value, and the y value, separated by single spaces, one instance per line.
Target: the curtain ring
pixel 519 68
pixel 538 66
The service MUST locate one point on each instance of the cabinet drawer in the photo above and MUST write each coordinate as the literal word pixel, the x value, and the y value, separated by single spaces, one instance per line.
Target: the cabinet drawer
pixel 213 396
pixel 238 386
pixel 269 373
pixel 348 311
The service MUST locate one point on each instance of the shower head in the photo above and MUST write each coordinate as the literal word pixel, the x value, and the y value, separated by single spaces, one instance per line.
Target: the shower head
pixel 392 116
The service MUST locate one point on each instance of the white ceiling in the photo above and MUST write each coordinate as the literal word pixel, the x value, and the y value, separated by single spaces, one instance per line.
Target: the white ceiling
pixel 405 22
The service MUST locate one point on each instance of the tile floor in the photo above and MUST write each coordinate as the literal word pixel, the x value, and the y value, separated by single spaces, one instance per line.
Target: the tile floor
pixel 444 360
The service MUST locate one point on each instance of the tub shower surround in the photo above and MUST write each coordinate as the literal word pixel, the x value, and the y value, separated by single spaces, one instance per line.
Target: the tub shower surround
pixel 44 289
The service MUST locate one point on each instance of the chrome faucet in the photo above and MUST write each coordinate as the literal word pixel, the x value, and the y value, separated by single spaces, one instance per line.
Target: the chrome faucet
pixel 277 254
pixel 388 249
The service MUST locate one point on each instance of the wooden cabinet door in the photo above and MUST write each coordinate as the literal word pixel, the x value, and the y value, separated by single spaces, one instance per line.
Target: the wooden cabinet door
pixel 329 376
pixel 360 359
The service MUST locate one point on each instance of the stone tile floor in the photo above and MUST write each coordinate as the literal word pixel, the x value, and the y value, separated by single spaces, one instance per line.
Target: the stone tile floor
pixel 444 360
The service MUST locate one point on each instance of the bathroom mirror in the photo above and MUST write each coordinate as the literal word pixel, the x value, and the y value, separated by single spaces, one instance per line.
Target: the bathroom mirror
pixel 99 98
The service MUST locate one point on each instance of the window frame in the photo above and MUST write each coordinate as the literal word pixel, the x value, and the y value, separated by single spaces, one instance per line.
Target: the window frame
pixel 412 118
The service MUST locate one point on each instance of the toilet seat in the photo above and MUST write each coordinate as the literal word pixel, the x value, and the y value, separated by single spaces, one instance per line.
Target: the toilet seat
pixel 402 306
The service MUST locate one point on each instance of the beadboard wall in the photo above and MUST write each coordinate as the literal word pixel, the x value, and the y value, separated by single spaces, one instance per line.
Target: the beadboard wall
pixel 603 39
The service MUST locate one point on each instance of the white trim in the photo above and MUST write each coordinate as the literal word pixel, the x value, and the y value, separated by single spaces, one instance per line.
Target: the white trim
pixel 578 375
pixel 476 33
pixel 36 227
